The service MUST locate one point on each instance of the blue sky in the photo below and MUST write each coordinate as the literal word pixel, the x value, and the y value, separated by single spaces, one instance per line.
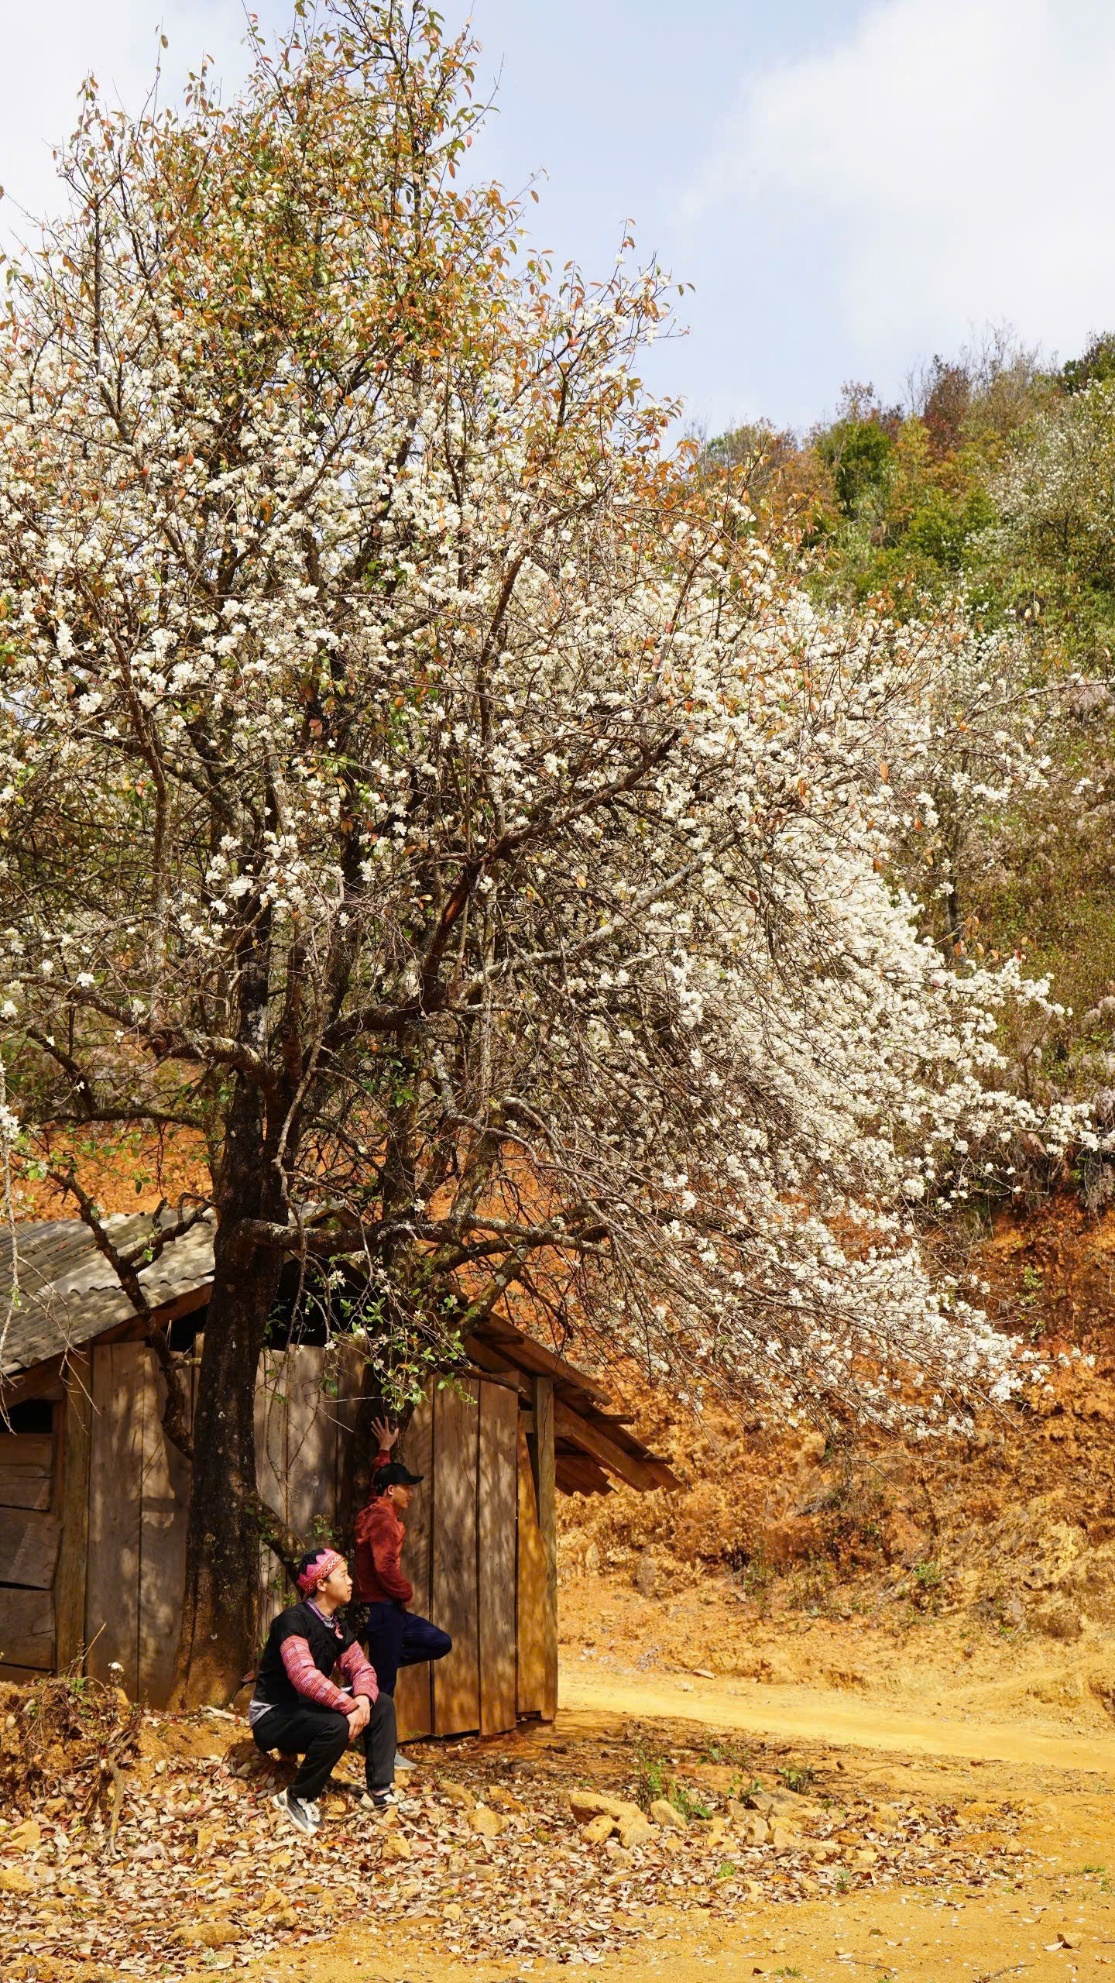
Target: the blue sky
pixel 850 185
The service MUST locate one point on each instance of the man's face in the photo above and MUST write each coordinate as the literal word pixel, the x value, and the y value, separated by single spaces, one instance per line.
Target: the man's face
pixel 337 1586
pixel 399 1495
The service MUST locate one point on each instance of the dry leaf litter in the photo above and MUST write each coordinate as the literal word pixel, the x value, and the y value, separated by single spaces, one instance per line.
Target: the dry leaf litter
pixel 139 1845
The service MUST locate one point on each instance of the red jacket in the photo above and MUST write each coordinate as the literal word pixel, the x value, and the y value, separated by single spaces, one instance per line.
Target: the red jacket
pixel 377 1570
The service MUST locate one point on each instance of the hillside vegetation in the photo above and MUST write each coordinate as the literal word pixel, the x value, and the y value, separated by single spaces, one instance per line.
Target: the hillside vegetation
pixel 991 492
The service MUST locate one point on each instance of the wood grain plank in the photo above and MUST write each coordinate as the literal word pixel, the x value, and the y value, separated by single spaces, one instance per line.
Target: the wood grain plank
pixel 454 1584
pixel 270 1430
pixel 25 1487
pixel 497 1517
pixel 164 1514
pixel 546 1485
pixel 26 1631
pixel 28 1547
pixel 69 1581
pixel 26 1449
pixel 414 1703
pixel 115 1480
pixel 530 1683
pixel 311 1448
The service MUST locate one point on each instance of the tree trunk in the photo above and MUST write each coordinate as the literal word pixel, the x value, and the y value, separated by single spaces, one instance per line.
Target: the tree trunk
pixel 219 1622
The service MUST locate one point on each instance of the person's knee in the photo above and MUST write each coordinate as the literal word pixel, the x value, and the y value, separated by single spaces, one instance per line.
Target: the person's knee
pixel 442 1643
pixel 335 1733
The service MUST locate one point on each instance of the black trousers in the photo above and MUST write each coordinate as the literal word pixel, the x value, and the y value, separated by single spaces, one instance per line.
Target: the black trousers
pixel 397 1637
pixel 320 1737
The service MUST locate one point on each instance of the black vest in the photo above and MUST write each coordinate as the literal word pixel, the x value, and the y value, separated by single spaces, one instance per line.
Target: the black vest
pixel 326 1642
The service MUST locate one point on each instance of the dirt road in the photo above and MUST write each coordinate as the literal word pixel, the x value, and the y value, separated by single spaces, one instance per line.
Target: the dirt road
pixel 827 1716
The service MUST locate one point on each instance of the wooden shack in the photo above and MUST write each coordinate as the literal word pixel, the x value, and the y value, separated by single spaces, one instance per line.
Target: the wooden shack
pixel 94 1500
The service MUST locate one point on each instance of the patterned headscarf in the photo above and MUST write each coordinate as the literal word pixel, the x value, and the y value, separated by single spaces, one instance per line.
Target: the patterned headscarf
pixel 314 1569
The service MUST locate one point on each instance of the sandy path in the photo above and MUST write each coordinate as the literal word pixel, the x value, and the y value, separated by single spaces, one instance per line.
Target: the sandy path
pixel 820 1715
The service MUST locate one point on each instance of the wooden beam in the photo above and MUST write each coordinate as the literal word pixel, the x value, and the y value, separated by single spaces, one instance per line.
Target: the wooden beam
pixel 69 1581
pixel 524 1353
pixel 495 1366
pixel 591 1437
pixel 542 1462
pixel 43 1380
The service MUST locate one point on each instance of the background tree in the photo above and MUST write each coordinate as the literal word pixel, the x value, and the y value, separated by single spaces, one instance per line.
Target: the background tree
pixel 420 784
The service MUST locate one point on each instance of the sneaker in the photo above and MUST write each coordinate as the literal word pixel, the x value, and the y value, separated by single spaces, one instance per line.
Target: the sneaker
pixel 403 1762
pixel 314 1809
pixel 377 1800
pixel 293 1809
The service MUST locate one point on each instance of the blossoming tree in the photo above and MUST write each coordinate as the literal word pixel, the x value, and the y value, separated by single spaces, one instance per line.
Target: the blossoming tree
pixel 418 783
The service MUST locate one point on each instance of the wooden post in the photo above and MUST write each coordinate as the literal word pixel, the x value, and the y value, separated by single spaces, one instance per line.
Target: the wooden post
pixel 542 1463
pixel 69 1582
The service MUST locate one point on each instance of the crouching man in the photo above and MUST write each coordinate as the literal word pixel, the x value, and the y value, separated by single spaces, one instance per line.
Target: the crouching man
pixel 296 1706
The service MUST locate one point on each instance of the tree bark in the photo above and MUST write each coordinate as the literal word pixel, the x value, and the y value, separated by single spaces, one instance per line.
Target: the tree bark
pixel 219 1621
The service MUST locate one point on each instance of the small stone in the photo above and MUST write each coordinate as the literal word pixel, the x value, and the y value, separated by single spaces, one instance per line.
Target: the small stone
pixel 458 1793
pixel 635 1830
pixel 586 1804
pixel 666 1814
pixel 598 1829
pixel 756 1829
pixel 488 1824
pixel 397 1846
pixel 865 1857
pixel 209 1935
pixel 784 1838
pixel 26 1837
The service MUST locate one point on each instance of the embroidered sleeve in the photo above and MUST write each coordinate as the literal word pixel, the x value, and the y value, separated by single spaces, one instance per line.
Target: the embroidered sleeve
pixel 356 1668
pixel 305 1676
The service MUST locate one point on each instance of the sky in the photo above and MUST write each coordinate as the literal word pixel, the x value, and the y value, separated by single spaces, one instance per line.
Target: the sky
pixel 849 185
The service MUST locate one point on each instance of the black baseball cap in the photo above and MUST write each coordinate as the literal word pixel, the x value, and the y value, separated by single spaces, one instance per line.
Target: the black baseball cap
pixel 394 1474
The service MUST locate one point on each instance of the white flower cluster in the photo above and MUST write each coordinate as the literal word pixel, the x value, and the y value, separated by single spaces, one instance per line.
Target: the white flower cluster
pixel 393 735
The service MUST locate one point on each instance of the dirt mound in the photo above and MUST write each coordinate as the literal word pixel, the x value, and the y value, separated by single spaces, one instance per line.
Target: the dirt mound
pixel 1016 1522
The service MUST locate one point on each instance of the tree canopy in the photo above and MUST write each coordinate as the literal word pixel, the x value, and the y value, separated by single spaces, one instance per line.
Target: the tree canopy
pixel 423 784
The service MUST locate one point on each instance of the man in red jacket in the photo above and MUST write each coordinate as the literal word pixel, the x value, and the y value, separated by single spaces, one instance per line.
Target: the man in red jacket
pixel 396 1637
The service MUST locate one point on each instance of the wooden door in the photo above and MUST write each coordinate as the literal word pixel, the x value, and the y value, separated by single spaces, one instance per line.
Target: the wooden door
pixel 455 1581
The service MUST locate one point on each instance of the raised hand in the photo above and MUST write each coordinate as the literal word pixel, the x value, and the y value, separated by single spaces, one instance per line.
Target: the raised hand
pixel 385 1433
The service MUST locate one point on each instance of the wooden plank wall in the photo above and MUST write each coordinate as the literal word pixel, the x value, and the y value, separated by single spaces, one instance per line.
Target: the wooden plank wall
pixel 476 1548
pixel 455 1580
pixel 69 1582
pixel 543 1461
pixel 531 1582
pixel 497 1513
pixel 139 1487
pixel 30 1536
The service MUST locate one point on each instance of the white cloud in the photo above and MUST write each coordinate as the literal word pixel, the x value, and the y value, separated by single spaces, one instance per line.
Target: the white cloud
pixel 946 163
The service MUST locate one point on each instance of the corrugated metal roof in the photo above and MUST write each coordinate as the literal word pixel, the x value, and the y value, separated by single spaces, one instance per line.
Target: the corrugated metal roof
pixel 68 1292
